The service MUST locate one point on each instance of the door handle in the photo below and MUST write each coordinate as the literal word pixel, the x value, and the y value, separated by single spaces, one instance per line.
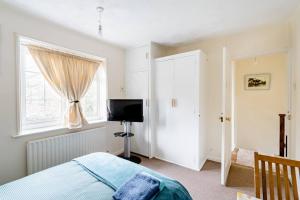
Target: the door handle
pixel 221 118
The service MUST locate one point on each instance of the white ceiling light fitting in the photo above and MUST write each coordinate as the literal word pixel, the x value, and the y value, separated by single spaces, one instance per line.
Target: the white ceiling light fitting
pixel 100 12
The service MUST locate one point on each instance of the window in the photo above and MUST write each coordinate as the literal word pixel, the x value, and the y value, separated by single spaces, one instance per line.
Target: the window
pixel 42 108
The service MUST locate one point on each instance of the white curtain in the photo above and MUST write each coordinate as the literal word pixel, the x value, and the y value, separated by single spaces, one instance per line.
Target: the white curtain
pixel 70 76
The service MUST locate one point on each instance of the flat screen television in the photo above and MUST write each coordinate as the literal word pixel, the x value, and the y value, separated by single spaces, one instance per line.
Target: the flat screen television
pixel 130 110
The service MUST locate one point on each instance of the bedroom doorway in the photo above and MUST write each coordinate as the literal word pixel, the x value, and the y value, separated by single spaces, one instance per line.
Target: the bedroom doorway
pixel 261 92
pixel 240 140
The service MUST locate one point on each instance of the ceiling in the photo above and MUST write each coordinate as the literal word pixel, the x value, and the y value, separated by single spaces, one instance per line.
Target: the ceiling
pixel 171 22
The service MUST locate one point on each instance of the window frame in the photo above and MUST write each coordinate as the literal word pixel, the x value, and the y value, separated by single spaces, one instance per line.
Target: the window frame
pixel 20 87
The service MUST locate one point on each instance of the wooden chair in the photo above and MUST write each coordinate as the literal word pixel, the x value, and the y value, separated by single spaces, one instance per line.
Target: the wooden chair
pixel 268 168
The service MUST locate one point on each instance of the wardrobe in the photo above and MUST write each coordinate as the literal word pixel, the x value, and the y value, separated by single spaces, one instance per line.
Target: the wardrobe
pixel 173 89
pixel 138 85
pixel 179 116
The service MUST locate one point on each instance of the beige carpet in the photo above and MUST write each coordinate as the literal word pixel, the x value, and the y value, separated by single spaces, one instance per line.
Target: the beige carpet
pixel 241 178
pixel 205 185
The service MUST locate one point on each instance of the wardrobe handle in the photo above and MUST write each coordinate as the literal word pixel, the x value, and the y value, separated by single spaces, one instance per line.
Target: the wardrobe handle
pixel 173 103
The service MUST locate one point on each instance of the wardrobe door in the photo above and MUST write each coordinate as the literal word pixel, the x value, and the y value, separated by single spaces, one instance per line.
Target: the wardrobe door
pixel 137 59
pixel 163 137
pixel 185 124
pixel 137 87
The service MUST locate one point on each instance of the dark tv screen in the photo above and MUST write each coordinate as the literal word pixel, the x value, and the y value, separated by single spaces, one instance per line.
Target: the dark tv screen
pixel 130 110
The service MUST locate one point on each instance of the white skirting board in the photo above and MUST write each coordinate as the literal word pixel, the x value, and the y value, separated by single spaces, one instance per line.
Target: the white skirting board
pixel 202 162
pixel 214 158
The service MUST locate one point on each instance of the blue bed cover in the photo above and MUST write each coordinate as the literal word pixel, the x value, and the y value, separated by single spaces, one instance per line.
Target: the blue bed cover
pixel 92 177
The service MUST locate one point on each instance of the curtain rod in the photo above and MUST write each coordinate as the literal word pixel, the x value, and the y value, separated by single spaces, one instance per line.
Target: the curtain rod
pixel 63 53
pixel 52 47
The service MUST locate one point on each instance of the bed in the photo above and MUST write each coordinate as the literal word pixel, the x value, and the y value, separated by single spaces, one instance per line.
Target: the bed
pixel 92 177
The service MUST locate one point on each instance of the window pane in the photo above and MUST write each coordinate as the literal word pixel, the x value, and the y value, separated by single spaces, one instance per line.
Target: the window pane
pixel 42 106
pixel 102 95
pixel 90 102
pixel 94 102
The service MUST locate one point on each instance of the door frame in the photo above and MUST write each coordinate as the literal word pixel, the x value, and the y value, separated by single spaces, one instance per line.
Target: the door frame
pixel 226 115
pixel 290 130
pixel 291 87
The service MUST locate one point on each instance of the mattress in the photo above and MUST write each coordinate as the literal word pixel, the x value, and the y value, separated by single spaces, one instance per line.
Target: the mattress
pixel 93 177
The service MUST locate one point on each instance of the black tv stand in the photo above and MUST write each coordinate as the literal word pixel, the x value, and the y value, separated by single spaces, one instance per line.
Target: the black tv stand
pixel 132 158
pixel 127 143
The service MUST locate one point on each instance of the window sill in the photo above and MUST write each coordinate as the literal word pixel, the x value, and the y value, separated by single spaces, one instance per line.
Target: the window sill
pixel 61 130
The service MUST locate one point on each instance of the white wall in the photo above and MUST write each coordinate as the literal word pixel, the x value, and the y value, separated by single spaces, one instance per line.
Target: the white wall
pixel 13 150
pixel 249 43
pixel 257 120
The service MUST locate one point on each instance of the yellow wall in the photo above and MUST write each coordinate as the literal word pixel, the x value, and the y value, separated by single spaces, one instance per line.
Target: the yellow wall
pixel 257 120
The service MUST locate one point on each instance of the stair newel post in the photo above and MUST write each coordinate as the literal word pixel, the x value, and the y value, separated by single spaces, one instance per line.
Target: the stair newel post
pixel 282 144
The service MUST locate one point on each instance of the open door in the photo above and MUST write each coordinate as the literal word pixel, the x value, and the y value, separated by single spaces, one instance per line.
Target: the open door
pixel 225 116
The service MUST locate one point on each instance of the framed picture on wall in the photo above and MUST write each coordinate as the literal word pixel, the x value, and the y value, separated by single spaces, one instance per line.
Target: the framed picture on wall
pixel 257 81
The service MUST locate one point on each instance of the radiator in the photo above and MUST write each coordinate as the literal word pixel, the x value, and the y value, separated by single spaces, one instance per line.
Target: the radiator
pixel 48 152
